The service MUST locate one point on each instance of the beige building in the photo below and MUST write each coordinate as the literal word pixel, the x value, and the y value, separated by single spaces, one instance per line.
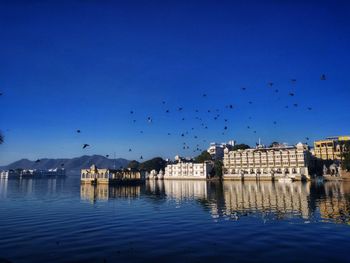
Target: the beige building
pixel 187 170
pixel 331 148
pixel 106 176
pixel 261 163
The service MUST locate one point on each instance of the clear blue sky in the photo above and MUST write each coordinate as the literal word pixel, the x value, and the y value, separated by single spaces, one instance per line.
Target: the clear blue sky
pixel 68 65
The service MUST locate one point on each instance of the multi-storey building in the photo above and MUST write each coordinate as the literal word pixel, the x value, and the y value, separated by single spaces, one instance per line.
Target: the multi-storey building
pixel 268 163
pixel 331 148
pixel 187 170
pixel 216 150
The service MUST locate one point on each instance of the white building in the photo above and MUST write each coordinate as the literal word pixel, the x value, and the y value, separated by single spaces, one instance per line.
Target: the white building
pixel 187 170
pixel 216 150
pixel 267 163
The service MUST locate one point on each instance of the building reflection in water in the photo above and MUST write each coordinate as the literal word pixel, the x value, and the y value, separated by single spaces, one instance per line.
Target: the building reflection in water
pixel 30 186
pixel 270 200
pixel 280 199
pixel 334 202
pixel 102 192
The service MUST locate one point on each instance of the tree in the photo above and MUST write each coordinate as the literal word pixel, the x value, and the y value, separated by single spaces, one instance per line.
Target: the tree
pixel 218 168
pixel 204 156
pixel 346 157
pixel 346 162
pixel 241 146
pixel 274 144
pixel 134 165
pixel 154 164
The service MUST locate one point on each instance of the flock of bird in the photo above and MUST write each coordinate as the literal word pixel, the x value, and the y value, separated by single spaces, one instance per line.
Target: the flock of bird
pixel 215 114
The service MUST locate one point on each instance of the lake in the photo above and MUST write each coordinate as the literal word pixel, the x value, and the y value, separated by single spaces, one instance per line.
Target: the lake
pixel 59 220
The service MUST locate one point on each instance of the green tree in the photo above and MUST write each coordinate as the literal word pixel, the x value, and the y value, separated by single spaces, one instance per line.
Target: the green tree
pixel 274 144
pixel 134 165
pixel 346 157
pixel 154 164
pixel 204 156
pixel 241 146
pixel 218 168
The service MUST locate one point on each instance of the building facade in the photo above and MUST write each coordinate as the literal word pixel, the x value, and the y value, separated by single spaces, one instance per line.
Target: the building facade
pixel 97 175
pixel 331 148
pixel 188 170
pixel 268 163
pixel 216 150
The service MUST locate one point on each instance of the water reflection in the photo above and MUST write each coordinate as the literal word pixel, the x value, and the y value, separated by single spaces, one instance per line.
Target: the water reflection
pixel 334 202
pixel 271 201
pixel 102 192
pixel 31 187
pixel 327 202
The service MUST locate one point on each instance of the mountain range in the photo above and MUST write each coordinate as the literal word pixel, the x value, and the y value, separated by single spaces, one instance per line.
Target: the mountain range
pixel 72 166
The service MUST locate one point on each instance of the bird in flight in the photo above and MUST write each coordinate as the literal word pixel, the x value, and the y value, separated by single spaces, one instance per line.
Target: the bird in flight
pixel 149 119
pixel 131 112
pixel 78 131
pixel 323 77
pixel 37 161
pixel 141 157
pixel 291 94
pixel 293 81
pixel 107 155
pixel 129 150
pixel 309 108
pixel 85 145
pixel 295 104
pixel 244 88
pixel 270 84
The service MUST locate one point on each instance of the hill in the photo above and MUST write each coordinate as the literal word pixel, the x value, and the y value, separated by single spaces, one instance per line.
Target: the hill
pixel 72 166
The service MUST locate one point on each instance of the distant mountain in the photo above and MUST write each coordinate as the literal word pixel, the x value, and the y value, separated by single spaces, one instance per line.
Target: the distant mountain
pixel 72 166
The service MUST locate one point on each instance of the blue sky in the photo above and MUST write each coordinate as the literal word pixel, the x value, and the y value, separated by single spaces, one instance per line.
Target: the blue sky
pixel 68 65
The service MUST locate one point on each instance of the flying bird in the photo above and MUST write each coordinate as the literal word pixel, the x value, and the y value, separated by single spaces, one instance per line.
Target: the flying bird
pixel 244 88
pixel 141 157
pixel 85 145
pixel 323 77
pixel 291 94
pixel 309 108
pixel 37 161
pixel 107 155
pixel 130 150
pixel 270 84
pixel 131 112
pixel 78 131
pixel 295 104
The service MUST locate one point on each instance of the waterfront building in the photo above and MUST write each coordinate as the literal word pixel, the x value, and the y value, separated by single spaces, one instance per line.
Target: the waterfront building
pixel 184 169
pixel 331 148
pixel 33 173
pixel 216 150
pixel 262 163
pixel 106 175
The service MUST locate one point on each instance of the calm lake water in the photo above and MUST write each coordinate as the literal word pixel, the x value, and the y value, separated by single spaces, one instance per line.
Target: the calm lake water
pixel 59 220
